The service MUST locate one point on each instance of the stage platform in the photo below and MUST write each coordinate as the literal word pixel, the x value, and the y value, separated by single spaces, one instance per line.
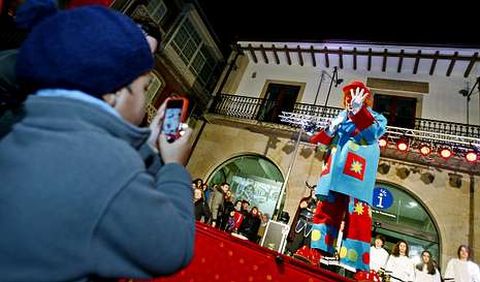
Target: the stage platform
pixel 220 256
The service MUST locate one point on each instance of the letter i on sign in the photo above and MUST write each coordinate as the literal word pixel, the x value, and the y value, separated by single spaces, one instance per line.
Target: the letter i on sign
pixel 382 194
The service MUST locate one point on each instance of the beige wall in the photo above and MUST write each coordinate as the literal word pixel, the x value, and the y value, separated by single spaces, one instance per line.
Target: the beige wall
pixel 236 75
pixel 450 207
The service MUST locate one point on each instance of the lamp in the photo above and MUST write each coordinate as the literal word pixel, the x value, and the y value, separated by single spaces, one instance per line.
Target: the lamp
pixel 272 142
pixel 288 148
pixel 383 168
pixel 466 92
pixel 471 156
pixel 306 152
pixel 445 152
pixel 333 78
pixel 427 177
pixel 382 142
pixel 425 149
pixel 402 145
pixel 338 81
pixel 403 172
pixel 455 180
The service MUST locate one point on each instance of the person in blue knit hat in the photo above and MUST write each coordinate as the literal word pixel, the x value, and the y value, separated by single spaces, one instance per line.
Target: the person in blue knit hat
pixel 84 193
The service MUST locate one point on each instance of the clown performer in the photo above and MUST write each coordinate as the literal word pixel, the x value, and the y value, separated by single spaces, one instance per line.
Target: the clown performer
pixel 345 188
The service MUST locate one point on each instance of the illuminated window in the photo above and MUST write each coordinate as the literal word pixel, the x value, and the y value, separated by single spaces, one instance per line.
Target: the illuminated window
pixel 252 178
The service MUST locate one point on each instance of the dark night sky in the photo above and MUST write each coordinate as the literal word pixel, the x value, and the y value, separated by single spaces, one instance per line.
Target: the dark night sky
pixel 299 20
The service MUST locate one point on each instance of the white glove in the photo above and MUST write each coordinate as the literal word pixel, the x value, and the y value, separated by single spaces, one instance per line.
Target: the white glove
pixel 335 122
pixel 357 100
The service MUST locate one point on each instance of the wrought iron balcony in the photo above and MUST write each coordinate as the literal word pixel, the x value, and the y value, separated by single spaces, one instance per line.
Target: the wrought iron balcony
pixel 461 138
pixel 263 110
pixel 268 111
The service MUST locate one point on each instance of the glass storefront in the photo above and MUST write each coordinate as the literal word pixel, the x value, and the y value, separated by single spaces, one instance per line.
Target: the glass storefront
pixel 399 215
pixel 252 178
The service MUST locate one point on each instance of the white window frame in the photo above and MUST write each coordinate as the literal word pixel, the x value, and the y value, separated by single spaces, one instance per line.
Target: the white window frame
pixel 193 39
pixel 155 87
pixel 157 10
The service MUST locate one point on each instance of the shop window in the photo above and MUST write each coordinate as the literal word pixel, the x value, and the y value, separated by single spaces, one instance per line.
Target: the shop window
pixel 398 215
pixel 252 178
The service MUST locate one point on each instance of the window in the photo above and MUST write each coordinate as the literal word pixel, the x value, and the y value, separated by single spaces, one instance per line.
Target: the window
pixel 194 52
pixel 155 84
pixel 252 178
pixel 153 89
pixel 203 65
pixel 157 10
pixel 399 111
pixel 278 98
pixel 186 41
pixel 398 215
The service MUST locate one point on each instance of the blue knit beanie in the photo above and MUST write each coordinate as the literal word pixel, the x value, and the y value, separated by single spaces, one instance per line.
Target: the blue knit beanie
pixel 91 49
pixel 31 12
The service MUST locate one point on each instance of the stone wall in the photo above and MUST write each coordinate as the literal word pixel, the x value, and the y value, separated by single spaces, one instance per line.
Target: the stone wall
pixel 451 208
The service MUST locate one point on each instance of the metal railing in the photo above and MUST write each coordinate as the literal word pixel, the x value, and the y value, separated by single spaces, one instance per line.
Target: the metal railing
pixel 251 108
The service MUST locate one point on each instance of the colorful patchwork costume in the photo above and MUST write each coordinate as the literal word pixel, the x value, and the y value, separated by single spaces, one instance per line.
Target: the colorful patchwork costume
pixel 347 180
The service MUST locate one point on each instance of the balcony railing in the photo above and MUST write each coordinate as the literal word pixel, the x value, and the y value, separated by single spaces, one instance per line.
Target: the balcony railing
pixel 268 111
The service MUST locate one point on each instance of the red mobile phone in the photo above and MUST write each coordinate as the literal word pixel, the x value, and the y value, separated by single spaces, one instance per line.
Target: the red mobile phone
pixel 175 113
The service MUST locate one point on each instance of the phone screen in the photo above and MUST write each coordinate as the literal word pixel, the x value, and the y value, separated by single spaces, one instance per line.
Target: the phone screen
pixel 171 122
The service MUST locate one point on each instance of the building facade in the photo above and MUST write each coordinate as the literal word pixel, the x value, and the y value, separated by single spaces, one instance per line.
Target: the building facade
pixel 429 94
pixel 189 61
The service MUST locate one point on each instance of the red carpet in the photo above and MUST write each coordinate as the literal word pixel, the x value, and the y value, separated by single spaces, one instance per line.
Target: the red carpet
pixel 222 257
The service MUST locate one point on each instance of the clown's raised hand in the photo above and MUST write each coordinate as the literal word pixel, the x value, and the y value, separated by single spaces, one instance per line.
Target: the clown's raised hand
pixel 358 96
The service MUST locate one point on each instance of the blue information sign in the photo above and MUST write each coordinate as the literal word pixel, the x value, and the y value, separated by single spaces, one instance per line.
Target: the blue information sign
pixel 382 198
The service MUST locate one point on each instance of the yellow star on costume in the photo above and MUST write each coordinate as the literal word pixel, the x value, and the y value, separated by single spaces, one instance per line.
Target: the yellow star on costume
pixel 356 167
pixel 358 209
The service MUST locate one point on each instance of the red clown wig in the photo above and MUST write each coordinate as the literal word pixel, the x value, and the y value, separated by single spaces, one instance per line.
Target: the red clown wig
pixel 353 86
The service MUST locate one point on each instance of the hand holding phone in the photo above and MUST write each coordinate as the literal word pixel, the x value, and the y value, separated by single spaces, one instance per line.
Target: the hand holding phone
pixel 175 114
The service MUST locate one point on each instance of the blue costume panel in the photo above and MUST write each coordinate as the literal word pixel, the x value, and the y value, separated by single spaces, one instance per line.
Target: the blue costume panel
pixel 352 162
